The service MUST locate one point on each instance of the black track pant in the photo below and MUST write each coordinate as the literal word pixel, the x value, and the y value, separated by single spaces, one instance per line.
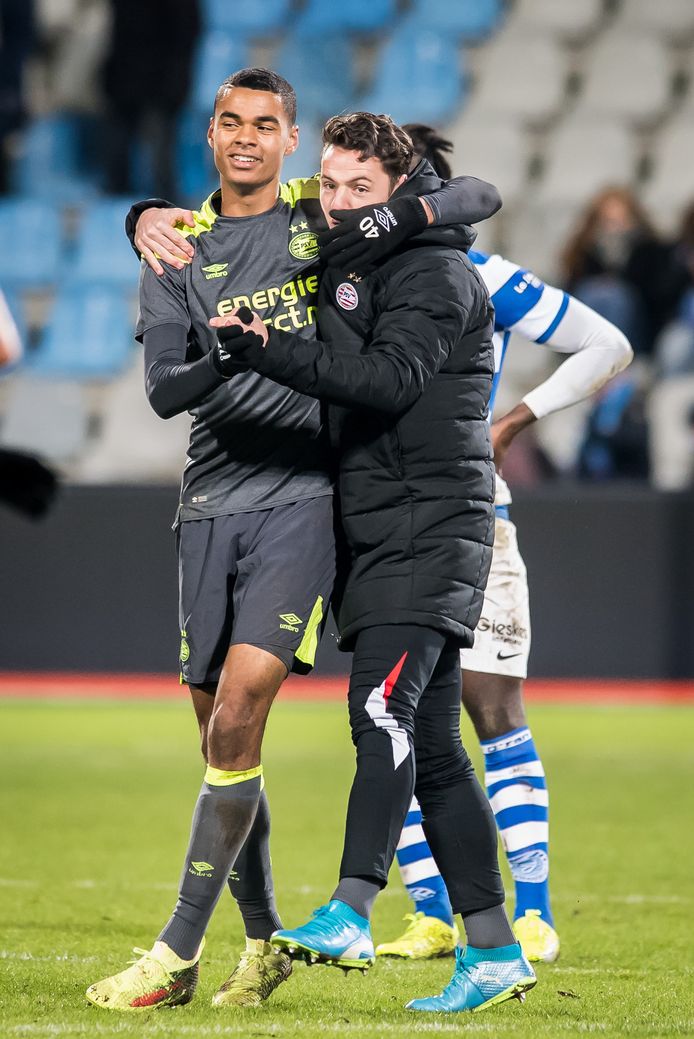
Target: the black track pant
pixel 404 706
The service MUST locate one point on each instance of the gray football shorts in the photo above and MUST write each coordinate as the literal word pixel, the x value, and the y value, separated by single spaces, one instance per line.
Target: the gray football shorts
pixel 260 578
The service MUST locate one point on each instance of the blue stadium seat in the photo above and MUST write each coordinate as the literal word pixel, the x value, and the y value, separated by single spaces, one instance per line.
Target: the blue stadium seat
pixel 219 54
pixel 306 159
pixel 33 260
pixel 321 70
pixel 102 253
pixel 250 18
pixel 197 176
pixel 52 163
pixel 89 335
pixel 357 16
pixel 419 77
pixel 467 20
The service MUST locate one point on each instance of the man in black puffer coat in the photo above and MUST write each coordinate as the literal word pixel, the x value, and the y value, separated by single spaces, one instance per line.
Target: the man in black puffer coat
pixel 406 369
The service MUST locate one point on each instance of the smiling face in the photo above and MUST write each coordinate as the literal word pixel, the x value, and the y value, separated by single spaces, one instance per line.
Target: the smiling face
pixel 347 181
pixel 250 134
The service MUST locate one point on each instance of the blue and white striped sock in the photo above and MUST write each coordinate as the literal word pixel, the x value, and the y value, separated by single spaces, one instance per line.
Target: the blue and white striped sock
pixel 517 790
pixel 418 870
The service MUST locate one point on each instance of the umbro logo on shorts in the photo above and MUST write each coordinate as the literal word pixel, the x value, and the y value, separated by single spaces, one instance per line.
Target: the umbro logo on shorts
pixel 290 621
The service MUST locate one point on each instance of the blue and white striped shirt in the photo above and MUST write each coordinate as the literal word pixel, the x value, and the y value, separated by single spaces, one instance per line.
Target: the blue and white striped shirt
pixel 522 304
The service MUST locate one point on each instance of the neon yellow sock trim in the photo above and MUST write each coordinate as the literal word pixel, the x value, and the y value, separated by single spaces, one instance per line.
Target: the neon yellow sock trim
pixel 306 652
pixel 218 776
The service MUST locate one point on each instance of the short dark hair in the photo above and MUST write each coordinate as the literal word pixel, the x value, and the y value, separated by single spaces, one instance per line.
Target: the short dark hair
pixel 373 136
pixel 261 79
pixel 429 144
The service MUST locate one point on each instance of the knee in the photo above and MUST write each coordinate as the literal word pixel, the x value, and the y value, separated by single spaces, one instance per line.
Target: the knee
pixel 236 726
pixel 235 712
pixel 378 716
pixel 441 771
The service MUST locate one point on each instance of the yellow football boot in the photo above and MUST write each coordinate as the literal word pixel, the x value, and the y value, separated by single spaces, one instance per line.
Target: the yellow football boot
pixel 159 978
pixel 539 941
pixel 256 976
pixel 425 938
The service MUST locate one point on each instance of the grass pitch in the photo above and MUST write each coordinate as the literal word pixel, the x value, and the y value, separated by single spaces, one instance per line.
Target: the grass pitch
pixel 96 804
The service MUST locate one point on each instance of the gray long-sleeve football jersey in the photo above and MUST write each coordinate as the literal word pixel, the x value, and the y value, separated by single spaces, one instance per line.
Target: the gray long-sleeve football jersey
pixel 253 444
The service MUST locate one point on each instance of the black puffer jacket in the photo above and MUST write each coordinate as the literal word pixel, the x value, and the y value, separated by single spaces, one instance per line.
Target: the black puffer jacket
pixel 407 356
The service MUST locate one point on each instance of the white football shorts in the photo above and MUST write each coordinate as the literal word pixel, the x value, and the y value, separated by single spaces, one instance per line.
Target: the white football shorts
pixel 502 637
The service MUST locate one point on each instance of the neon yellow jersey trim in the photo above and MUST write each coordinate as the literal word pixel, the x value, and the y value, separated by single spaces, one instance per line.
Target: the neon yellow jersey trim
pixel 204 219
pixel 302 187
pixel 306 652
pixel 218 777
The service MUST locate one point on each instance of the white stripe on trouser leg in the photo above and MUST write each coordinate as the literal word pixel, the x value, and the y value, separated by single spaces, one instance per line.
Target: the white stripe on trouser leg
pixel 518 794
pixel 523 768
pixel 376 709
pixel 523 835
pixel 416 871
pixel 411 835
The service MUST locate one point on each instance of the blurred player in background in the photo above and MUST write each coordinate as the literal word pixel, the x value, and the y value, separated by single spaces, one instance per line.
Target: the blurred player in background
pixel 10 342
pixel 26 482
pixel 254 588
pixel 495 667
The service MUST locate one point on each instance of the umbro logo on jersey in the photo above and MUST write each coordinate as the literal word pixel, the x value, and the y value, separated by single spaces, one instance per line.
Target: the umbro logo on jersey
pixel 216 270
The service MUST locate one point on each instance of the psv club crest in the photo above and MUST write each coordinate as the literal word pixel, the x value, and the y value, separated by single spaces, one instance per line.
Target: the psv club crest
pixel 346 296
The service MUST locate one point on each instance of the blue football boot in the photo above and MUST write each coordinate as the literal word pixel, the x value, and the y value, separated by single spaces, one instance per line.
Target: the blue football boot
pixel 481 978
pixel 334 935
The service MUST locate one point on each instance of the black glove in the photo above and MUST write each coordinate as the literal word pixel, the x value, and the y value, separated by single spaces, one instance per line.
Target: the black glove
pixel 367 235
pixel 232 342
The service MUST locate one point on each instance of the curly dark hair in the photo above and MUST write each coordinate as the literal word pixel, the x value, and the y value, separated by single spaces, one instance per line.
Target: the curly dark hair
pixel 373 136
pixel 429 144
pixel 261 79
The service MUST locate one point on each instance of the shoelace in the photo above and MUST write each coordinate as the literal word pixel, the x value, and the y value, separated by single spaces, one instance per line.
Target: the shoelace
pixel 322 920
pixel 149 960
pixel 248 959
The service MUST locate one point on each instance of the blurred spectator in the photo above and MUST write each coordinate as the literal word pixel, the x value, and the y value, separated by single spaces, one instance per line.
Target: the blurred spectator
pixel 615 445
pixel 675 346
pixel 146 77
pixel 17 36
pixel 616 264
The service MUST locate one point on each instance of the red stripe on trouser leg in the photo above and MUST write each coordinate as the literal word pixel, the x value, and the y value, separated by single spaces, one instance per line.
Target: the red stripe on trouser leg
pixel 393 676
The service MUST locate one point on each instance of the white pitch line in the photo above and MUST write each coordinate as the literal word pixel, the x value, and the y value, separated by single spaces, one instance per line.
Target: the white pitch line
pixel 56 957
pixel 89 884
pixel 359 1028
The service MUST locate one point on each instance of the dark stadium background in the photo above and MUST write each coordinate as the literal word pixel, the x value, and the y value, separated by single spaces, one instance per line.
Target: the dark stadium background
pixel 551 101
